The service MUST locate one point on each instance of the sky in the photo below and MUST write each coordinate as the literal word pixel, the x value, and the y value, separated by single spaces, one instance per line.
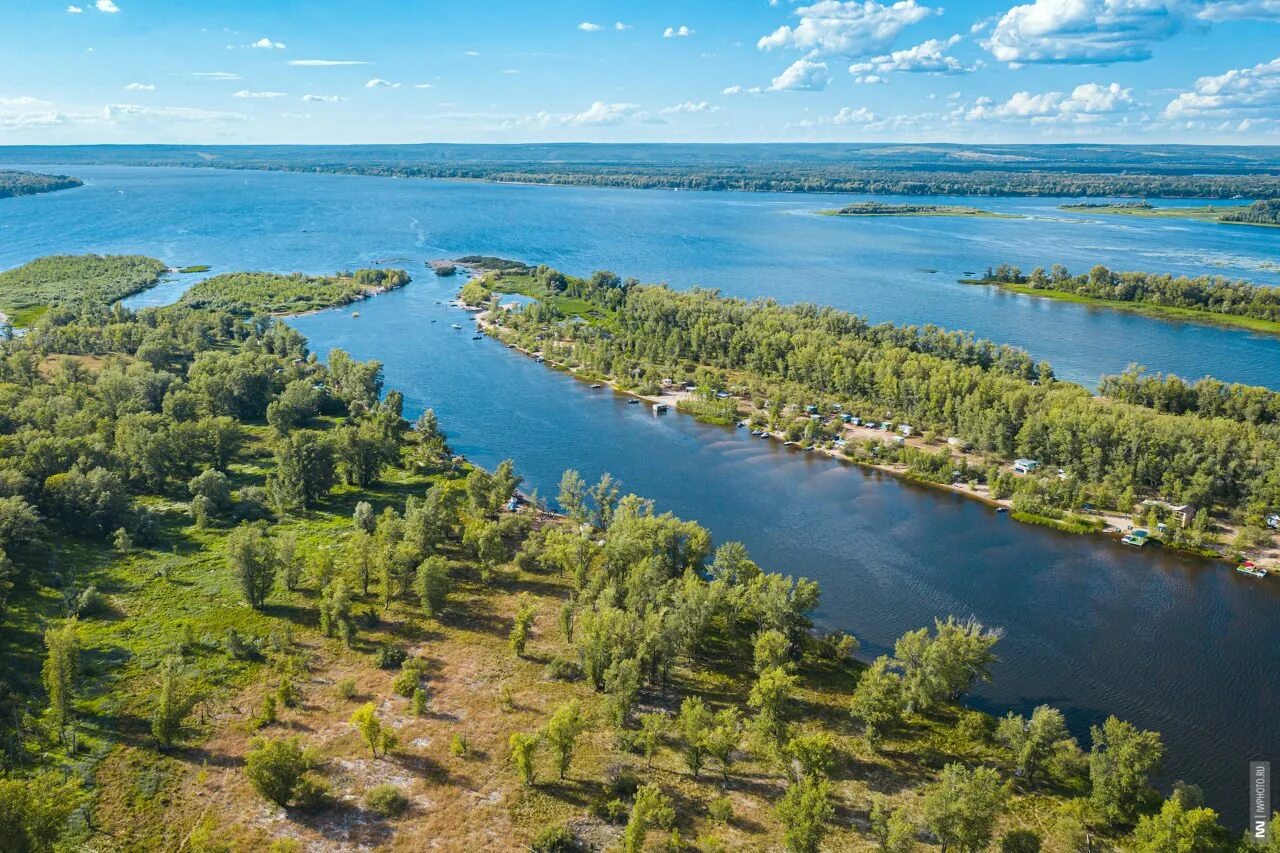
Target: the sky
pixel 376 71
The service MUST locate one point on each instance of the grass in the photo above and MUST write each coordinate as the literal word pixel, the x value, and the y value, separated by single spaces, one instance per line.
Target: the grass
pixel 1068 524
pixel 1163 312
pixel 195 268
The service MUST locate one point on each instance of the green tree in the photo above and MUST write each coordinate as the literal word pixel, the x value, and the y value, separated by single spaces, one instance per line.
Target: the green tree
pixel 377 736
pixel 622 683
pixel 573 496
pixel 770 697
pixel 651 808
pixel 304 470
pixel 34 811
pixel 288 559
pixel 812 752
pixel 892 827
pixel 877 700
pixel 274 768
pixel 1121 762
pixel 253 559
pixel 1183 825
pixel 335 611
pixel 523 746
pixel 653 728
pixel 962 807
pixel 804 812
pixel 61 669
pixel 772 649
pixel 432 584
pixel 723 739
pixel 171 704
pixel 1033 742
pixel 694 723
pixel 561 733
pixel 522 627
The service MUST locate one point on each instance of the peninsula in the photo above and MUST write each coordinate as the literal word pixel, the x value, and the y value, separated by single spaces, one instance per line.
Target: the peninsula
pixel 14 183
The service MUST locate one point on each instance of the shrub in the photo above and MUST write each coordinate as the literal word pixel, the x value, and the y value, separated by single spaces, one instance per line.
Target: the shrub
pixel 90 602
pixel 563 669
pixel 346 688
pixel 274 768
pixel 386 801
pixel 390 656
pixel 418 704
pixel 721 810
pixel 556 838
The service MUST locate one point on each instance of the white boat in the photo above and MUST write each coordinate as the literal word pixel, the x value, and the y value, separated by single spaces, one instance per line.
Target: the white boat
pixel 1249 568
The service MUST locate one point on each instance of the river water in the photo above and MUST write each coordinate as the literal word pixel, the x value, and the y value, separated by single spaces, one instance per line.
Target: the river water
pixel 1170 642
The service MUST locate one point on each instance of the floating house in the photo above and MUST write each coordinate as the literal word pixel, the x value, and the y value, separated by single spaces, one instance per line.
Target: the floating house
pixel 659 408
pixel 1025 466
pixel 1137 538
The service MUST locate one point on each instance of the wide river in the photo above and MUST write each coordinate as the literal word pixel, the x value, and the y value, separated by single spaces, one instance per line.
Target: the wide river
pixel 1170 642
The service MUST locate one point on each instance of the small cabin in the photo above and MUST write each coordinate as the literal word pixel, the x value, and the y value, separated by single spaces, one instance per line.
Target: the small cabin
pixel 847 418
pixel 1025 466
pixel 667 383
pixel 897 439
pixel 886 425
pixel 1184 514
pixel 905 429
pixel 1273 521
pixel 955 442
pixel 855 420
pixel 811 410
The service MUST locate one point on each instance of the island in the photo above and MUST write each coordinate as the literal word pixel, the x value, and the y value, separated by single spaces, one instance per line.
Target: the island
pixel 14 183
pixel 72 281
pixel 239 581
pixel 876 208
pixel 1202 299
pixel 1262 212
pixel 972 416
pixel 247 293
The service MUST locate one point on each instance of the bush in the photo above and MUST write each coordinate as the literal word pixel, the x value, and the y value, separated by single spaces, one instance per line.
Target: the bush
pixel 460 746
pixel 240 648
pixel 609 811
pixel 405 682
pixel 563 669
pixel 311 793
pixel 721 810
pixel 386 801
pixel 389 656
pixel 556 838
pixel 275 767
pixel 346 688
pixel 90 603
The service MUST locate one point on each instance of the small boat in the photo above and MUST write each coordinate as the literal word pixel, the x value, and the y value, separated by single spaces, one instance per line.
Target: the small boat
pixel 476 337
pixel 1002 509
pixel 741 424
pixel 456 326
pixel 764 434
pixel 1248 567
pixel 659 408
pixel 633 402
pixel 595 384
pixel 355 314
pixel 433 321
pixel 756 432
pixel 511 346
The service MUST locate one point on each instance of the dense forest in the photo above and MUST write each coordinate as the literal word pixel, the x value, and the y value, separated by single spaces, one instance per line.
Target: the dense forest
pixel 1263 212
pixel 993 398
pixel 14 183
pixel 70 281
pixel 1208 396
pixel 247 605
pixel 830 179
pixel 1211 294
pixel 247 293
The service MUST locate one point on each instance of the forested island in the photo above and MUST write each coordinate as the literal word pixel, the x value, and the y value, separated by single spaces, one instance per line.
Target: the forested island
pixel 875 208
pixel 975 406
pixel 1261 212
pixel 71 281
pixel 1205 298
pixel 245 604
pixel 13 183
pixel 249 293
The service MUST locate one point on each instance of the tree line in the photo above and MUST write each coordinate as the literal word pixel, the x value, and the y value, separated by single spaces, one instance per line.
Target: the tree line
pixel 250 293
pixel 15 183
pixel 1212 294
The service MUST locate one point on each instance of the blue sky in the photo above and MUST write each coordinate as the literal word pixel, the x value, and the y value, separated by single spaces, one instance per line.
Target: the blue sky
pixel 219 71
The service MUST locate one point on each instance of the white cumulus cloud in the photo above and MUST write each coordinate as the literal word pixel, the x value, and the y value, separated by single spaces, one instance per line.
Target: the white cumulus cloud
pixel 588 27
pixel 618 25
pixel 140 87
pixel 846 27
pixel 677 32
pixel 246 93
pixel 803 75
pixel 323 99
pixel 690 107
pixel 1084 103
pixel 379 83
pixel 74 10
pixel 1239 10
pixel 1237 93
pixel 1086 31
pixel 265 43
pixel 107 6
pixel 928 57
